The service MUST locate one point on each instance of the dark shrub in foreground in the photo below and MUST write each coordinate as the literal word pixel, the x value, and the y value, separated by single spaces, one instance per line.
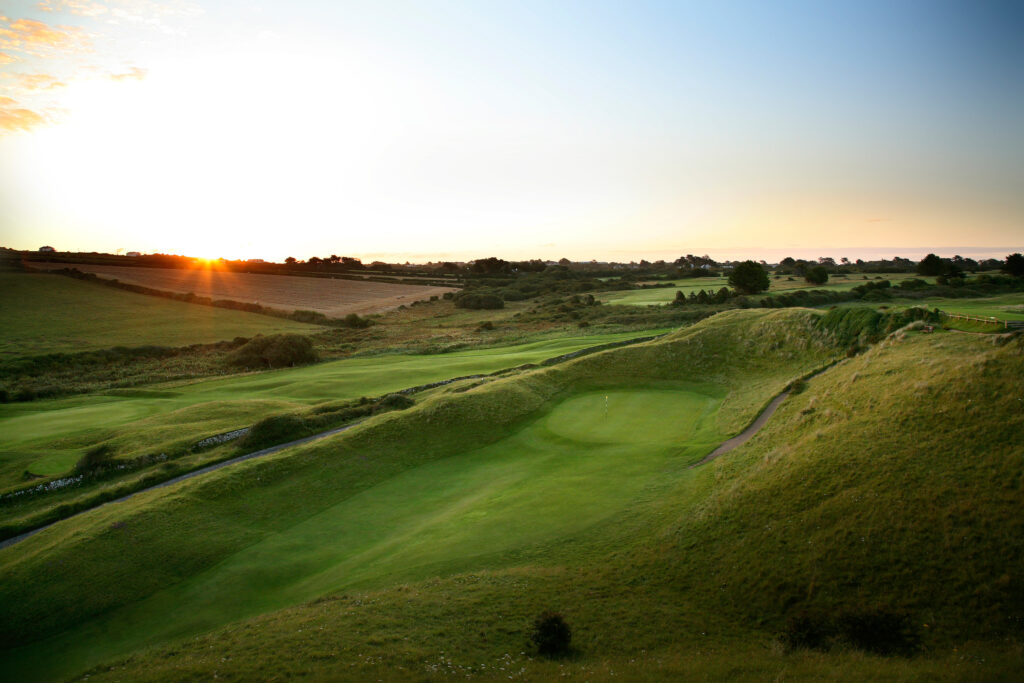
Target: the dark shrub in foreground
pixel 276 351
pixel 878 630
pixel 274 430
pixel 551 635
pixel 881 631
pixel 94 459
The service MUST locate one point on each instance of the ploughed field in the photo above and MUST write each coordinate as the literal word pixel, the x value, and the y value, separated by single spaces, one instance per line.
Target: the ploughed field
pixel 334 298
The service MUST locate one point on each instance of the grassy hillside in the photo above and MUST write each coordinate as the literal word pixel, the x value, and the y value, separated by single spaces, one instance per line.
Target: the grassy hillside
pixel 243 528
pixel 48 437
pixel 433 537
pixel 51 314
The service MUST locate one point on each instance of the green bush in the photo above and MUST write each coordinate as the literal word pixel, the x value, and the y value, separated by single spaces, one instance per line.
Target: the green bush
pixel 275 351
pixel 273 430
pixel 95 458
pixel 551 635
pixel 475 301
pixel 355 322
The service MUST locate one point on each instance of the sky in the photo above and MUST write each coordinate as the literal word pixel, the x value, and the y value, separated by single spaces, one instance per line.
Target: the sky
pixel 457 130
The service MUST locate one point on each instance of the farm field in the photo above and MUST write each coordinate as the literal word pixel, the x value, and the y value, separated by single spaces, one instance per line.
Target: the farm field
pixel 48 437
pixel 664 295
pixel 52 314
pixel 423 543
pixel 334 298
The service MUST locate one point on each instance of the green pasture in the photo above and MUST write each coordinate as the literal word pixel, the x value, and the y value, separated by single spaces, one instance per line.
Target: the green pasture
pixel 664 295
pixel 48 437
pixel 43 313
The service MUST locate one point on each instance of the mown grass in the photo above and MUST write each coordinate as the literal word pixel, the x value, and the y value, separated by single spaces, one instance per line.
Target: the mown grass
pixel 532 483
pixel 48 437
pixel 50 314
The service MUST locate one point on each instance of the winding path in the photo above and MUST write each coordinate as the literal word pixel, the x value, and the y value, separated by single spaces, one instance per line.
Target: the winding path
pixel 745 436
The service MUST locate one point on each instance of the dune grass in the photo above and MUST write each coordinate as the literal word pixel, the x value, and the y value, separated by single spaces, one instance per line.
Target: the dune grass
pixel 51 314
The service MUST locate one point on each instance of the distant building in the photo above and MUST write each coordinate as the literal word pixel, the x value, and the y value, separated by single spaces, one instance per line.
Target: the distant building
pixel 133 253
pixel 47 249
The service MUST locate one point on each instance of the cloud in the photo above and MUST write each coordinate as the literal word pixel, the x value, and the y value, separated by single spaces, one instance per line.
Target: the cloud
pixel 82 8
pixel 38 81
pixel 14 117
pixel 7 59
pixel 133 74
pixel 28 35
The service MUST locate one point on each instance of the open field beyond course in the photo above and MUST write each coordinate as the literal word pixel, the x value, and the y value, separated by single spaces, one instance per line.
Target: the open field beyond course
pixel 332 297
pixel 50 314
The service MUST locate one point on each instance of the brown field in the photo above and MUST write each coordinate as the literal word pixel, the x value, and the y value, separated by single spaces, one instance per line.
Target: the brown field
pixel 285 292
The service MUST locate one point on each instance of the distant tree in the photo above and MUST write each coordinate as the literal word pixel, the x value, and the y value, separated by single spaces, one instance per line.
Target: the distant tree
pixel 1014 265
pixel 845 261
pixel 931 265
pixel 352 263
pixel 816 275
pixel 290 261
pixel 749 278
pixel 333 258
pixel 827 261
pixel 564 262
pixel 491 265
pixel 315 260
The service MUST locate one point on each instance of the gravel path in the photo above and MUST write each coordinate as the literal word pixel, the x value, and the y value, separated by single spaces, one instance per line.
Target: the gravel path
pixel 737 441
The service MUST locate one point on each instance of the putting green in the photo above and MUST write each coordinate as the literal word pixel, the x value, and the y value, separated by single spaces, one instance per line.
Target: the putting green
pixel 554 479
pixel 632 416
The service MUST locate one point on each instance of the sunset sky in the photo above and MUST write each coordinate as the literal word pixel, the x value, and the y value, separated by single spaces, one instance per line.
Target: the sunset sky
pixel 454 130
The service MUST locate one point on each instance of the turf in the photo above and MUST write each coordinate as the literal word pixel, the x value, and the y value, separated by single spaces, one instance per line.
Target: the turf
pixel 52 314
pixel 47 437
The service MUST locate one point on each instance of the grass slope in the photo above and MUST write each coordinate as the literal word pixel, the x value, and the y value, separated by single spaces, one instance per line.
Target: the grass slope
pixel 893 480
pixel 51 314
pixel 462 482
pixel 48 437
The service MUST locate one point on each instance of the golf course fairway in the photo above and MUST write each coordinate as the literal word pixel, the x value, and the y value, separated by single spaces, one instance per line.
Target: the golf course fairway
pixel 583 461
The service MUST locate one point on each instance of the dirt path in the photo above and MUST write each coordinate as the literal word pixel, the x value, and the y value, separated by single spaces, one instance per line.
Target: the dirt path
pixel 748 433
